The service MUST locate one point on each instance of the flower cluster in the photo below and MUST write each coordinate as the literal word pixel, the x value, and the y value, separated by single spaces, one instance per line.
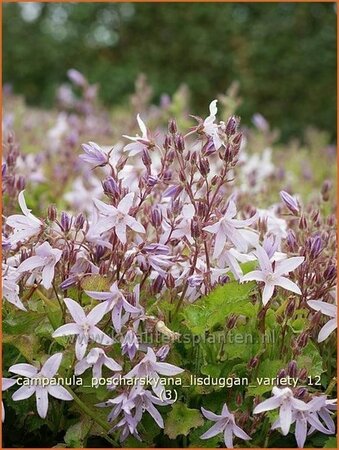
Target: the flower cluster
pixel 162 227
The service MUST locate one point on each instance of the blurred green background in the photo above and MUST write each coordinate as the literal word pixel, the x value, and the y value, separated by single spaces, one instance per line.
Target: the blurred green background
pixel 282 54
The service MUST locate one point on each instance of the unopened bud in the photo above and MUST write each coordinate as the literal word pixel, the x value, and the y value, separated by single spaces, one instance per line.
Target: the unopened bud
pixel 52 213
pixel 79 221
pixel 303 223
pixel 231 126
pixel 162 353
pixel 156 217
pixel 180 143
pixel 146 159
pixel 65 221
pixel 292 369
pixel 110 186
pixel 290 202
pixel 172 126
pixel 253 362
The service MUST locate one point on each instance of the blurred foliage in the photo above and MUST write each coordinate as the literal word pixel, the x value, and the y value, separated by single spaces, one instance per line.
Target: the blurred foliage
pixel 282 54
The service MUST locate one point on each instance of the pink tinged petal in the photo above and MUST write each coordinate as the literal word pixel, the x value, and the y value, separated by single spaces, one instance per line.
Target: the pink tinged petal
pixel 23 393
pixel 51 366
pixel 285 415
pixel 213 228
pixel 240 433
pixel 167 369
pixel 327 329
pixel 81 366
pixel 7 383
pixel 120 230
pixel 99 295
pixel 263 259
pixel 100 337
pixel 315 422
pixel 116 317
pixel 97 370
pixel 75 310
pixel 288 265
pixel 23 369
pixel 111 364
pixel 267 293
pixel 42 401
pixel 135 225
pixel 217 428
pixel 287 284
pixel 126 203
pixel 31 263
pixel 210 415
pixel 228 436
pixel 59 392
pixel 67 330
pixel 326 308
pixel 220 240
pixel 151 409
pixel 142 127
pixel 267 405
pixel 301 432
pixel 97 313
pixel 255 275
pixel 231 210
pixel 299 404
pixel 47 276
pixel 81 346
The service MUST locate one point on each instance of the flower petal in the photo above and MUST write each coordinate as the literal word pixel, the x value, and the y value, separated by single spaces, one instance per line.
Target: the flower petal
pixel 42 401
pixel 59 392
pixel 75 310
pixel 23 393
pixel 51 366
pixel 287 284
pixel 26 370
pixel 327 329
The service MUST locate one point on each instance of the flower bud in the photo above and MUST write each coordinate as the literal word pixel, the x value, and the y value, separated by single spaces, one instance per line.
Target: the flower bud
pixel 146 159
pixel 157 285
pixel 330 272
pixel 180 143
pixel 20 183
pixel 172 126
pixel 52 213
pixel 156 217
pixel 253 362
pixel 325 190
pixel 282 373
pixel 110 186
pixel 303 374
pixel 65 221
pixel 152 180
pixel 292 241
pixel 204 167
pixel 316 246
pixel 231 321
pixel 79 221
pixel 70 281
pixel 303 223
pixel 290 202
pixel 195 227
pixel 162 353
pixel 292 369
pixel 231 126
pixel 170 281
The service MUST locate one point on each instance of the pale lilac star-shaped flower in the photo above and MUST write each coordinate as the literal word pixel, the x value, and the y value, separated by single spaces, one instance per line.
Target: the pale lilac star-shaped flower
pixel 115 302
pixel 96 358
pixel 6 384
pixel 283 399
pixel 25 226
pixel 121 403
pixel 10 288
pixel 84 326
pixel 94 154
pixel 323 407
pixel 45 260
pixel 303 418
pixel 227 229
pixel 210 128
pixel 150 367
pixel 139 142
pixel 118 217
pixel 144 400
pixel 225 423
pixel 273 276
pixel 48 371
pixel 329 310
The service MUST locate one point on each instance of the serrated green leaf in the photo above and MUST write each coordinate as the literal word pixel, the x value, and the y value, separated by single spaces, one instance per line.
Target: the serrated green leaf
pixel 181 420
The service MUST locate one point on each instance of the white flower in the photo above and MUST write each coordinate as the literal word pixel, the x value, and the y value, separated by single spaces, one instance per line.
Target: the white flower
pixel 96 358
pixel 10 288
pixel 227 229
pixel 329 310
pixel 26 225
pixel 45 259
pixel 118 217
pixel 283 399
pixel 211 128
pixel 139 143
pixel 41 391
pixel 84 326
pixel 273 277
pixel 6 384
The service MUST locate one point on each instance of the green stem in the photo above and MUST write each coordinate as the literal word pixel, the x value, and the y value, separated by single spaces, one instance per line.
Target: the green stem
pixel 85 409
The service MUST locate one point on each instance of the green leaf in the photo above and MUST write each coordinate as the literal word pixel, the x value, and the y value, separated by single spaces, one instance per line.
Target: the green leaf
pixel 181 420
pixel 95 283
pixel 212 310
pixel 331 443
pixel 311 360
pixel 76 434
pixel 26 344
